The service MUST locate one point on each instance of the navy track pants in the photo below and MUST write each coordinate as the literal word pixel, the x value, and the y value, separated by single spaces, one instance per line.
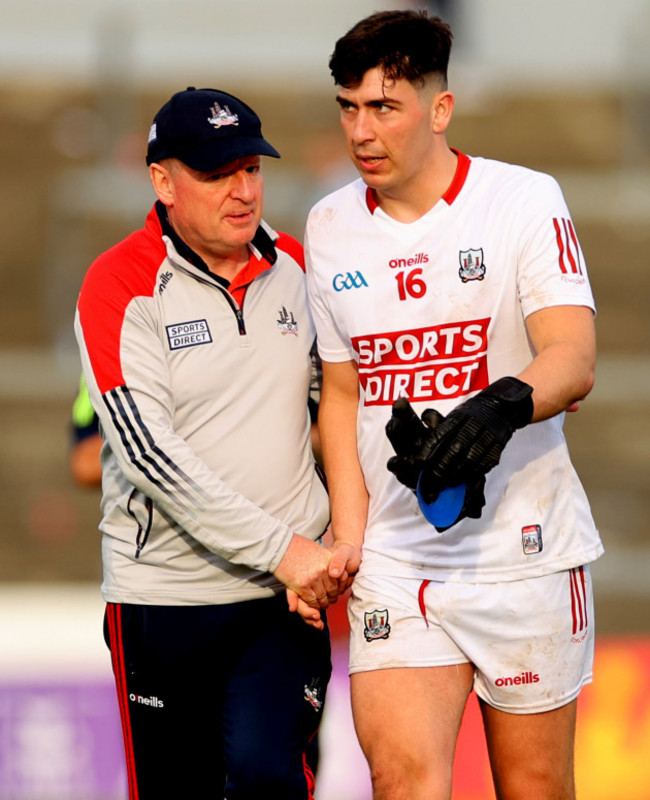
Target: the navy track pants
pixel 217 701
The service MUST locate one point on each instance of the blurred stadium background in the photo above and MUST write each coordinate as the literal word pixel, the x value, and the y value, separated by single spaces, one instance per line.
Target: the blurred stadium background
pixel 561 87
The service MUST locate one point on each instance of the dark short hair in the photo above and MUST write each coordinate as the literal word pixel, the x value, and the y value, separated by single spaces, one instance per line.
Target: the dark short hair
pixel 403 44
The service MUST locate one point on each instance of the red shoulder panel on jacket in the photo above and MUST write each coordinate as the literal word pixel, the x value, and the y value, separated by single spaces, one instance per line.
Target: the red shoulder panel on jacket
pixel 126 271
pixel 292 247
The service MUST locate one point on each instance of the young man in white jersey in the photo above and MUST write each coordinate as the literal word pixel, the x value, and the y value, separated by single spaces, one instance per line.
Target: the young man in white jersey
pixel 457 283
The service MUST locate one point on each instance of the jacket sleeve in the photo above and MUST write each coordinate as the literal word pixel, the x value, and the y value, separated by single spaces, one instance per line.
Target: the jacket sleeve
pixel 118 339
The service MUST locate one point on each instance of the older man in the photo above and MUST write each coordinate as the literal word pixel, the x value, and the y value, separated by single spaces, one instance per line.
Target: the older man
pixel 195 342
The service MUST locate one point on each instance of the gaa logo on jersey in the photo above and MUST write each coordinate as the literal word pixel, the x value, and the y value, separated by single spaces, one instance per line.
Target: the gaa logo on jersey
pixel 531 539
pixel 472 267
pixel 348 280
pixel 376 624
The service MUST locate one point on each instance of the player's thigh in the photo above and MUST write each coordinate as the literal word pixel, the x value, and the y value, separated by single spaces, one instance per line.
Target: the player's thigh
pixel 407 721
pixel 531 755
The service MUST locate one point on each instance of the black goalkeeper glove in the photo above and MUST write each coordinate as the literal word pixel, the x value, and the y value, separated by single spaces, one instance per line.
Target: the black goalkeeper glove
pixel 470 440
pixel 412 439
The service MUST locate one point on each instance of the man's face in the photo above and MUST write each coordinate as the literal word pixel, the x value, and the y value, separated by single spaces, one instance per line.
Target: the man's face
pixel 216 213
pixel 388 127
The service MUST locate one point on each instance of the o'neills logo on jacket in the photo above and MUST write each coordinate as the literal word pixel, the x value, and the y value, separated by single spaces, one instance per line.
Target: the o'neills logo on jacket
pixel 518 680
pixel 423 364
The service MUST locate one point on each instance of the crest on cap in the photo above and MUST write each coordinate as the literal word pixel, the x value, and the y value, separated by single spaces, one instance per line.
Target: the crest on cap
pixel 222 116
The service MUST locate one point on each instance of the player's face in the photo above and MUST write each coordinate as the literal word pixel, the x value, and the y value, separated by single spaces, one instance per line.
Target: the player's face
pixel 389 131
pixel 216 213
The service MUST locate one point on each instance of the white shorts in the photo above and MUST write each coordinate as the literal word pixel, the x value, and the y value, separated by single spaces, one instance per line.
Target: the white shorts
pixel 531 641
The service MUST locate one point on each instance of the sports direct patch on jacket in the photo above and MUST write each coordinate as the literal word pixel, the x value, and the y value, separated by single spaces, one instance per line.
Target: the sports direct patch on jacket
pixel 202 398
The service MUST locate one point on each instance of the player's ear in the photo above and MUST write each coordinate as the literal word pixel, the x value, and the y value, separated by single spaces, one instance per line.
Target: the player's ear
pixel 442 108
pixel 161 179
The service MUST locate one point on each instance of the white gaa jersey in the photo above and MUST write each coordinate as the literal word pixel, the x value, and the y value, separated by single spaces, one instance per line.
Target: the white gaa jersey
pixel 435 310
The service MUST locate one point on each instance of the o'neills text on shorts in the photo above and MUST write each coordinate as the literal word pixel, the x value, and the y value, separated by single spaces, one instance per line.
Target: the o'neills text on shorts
pixel 518 680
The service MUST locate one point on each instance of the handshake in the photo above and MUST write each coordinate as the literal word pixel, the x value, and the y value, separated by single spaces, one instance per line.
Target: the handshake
pixel 436 453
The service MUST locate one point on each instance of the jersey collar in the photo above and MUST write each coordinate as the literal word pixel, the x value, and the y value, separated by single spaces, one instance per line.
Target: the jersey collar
pixel 462 168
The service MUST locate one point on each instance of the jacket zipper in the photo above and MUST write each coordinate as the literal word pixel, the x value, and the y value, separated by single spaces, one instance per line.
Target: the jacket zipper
pixel 240 322
pixel 238 311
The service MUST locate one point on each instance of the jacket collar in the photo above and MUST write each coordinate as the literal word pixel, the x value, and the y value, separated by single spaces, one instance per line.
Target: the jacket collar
pixel 262 248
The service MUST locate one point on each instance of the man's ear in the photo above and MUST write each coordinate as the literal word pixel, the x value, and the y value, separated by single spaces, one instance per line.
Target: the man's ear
pixel 161 180
pixel 443 106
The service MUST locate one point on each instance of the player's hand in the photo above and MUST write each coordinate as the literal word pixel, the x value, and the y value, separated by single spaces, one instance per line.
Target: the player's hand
pixel 304 569
pixel 412 438
pixel 346 558
pixel 311 616
pixel 468 443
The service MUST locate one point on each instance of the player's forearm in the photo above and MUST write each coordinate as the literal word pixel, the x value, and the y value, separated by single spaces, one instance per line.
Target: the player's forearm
pixel 347 489
pixel 559 377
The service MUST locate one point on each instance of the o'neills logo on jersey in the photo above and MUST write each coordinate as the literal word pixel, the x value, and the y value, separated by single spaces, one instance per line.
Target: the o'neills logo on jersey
pixel 518 680
pixel 400 263
pixel 146 701
pixel 423 364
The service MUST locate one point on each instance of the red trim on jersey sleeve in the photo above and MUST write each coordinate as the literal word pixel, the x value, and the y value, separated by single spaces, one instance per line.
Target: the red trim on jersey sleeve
pixel 127 270
pixel 460 176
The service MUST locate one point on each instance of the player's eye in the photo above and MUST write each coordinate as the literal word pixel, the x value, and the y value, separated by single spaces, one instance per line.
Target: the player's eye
pixel 345 106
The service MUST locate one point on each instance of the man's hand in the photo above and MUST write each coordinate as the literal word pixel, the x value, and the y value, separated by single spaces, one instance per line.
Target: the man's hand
pixel 311 616
pixel 304 570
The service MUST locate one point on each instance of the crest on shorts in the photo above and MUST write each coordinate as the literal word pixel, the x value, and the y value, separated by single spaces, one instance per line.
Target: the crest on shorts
pixel 531 539
pixel 376 624
pixel 472 267
pixel 314 694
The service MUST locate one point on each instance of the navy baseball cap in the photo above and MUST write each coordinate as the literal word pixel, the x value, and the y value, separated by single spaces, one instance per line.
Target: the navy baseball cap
pixel 205 128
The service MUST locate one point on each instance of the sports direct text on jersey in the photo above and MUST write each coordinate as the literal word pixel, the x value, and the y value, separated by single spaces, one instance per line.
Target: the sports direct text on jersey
pixel 424 364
